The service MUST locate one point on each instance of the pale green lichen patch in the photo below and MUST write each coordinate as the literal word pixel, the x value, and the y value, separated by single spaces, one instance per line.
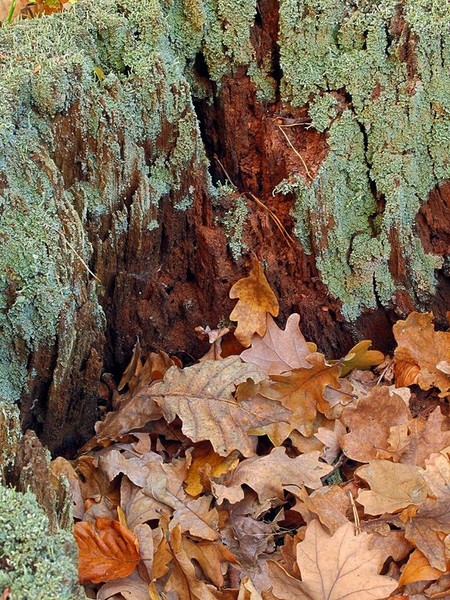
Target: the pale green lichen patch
pixel 33 563
pixel 234 220
pixel 388 142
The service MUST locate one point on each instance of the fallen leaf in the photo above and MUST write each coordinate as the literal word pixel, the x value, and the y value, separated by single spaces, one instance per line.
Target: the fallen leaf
pixel 419 344
pixel 256 298
pixel 360 357
pixel 418 569
pixel 340 566
pixel 107 550
pixel 393 486
pixel 370 423
pixel 269 475
pixel 212 558
pixel 132 587
pixel 132 370
pixel 427 530
pixel 206 464
pixel 182 580
pixel 277 350
pixel 426 438
pixel 301 391
pixel 201 396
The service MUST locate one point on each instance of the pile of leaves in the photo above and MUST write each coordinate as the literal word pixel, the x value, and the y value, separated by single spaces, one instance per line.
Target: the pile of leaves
pixel 265 471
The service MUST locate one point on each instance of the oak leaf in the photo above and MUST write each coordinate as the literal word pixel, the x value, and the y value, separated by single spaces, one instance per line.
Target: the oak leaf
pixel 132 587
pixel 426 438
pixel 302 392
pixel 201 396
pixel 393 486
pixel 420 345
pixel 360 357
pixel 211 557
pixel 370 423
pixel 269 475
pixel 256 298
pixel 277 350
pixel 182 580
pixel 427 530
pixel 107 550
pixel 340 566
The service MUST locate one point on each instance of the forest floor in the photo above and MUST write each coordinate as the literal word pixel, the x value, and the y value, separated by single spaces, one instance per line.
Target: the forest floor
pixel 266 471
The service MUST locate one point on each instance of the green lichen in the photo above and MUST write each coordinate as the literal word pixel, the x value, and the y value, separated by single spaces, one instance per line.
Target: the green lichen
pixel 34 564
pixel 388 142
pixel 234 220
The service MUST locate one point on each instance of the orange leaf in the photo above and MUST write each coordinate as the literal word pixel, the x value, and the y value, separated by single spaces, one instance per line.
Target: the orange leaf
pixel 418 569
pixel 420 345
pixel 256 298
pixel 107 550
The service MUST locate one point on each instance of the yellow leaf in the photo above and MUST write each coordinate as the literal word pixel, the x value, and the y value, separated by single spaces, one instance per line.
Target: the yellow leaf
pixel 256 298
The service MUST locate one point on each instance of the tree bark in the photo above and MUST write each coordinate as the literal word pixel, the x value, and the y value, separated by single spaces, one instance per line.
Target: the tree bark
pixel 149 150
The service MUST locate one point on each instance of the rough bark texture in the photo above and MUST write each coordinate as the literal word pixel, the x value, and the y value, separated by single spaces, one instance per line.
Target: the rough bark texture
pixel 117 120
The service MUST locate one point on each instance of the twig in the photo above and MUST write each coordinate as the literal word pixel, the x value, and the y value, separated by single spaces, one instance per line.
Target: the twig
pixel 75 252
pixel 296 151
pixel 355 514
pixel 290 241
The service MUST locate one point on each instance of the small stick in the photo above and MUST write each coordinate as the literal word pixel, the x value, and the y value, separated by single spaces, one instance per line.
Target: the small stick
pixel 296 151
pixel 355 515
pixel 75 252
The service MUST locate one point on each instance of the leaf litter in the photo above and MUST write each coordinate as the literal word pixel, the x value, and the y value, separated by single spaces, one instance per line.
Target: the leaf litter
pixel 266 471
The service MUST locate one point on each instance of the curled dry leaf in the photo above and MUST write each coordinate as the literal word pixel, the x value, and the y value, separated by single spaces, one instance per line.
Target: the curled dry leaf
pixel 419 344
pixel 277 350
pixel 206 464
pixel 418 569
pixel 107 550
pixel 256 298
pixel 360 357
pixel 201 396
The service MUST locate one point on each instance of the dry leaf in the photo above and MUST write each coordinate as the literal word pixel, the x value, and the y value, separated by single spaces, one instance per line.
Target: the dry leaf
pixel 256 298
pixel 277 350
pixel 132 587
pixel 182 580
pixel 427 530
pixel 340 566
pixel 418 569
pixel 107 550
pixel 211 556
pixel 393 486
pixel 132 370
pixel 269 475
pixel 301 392
pixel 426 438
pixel 201 396
pixel 206 464
pixel 419 344
pixel 370 422
pixel 360 357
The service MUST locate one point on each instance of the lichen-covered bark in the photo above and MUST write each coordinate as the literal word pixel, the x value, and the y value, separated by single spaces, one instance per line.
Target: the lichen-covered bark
pixel 114 115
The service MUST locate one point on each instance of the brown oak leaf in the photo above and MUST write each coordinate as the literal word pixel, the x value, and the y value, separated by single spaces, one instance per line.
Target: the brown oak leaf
pixel 370 423
pixel 201 396
pixel 277 350
pixel 256 298
pixel 269 475
pixel 419 344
